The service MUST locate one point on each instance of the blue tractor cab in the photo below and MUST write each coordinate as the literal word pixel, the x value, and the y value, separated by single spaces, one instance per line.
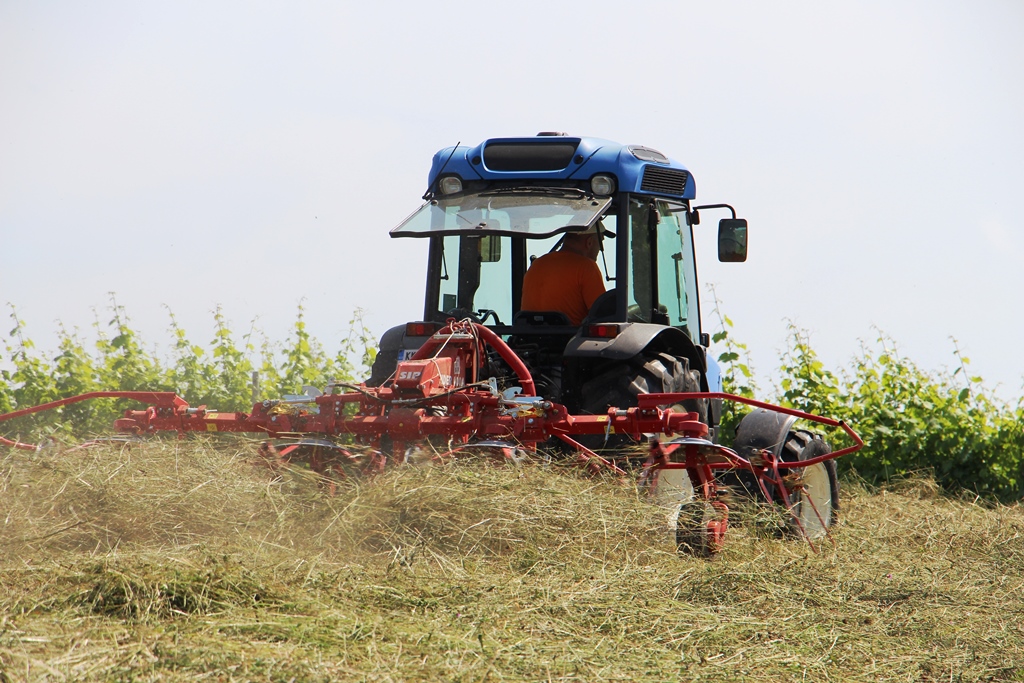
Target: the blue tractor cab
pixel 492 209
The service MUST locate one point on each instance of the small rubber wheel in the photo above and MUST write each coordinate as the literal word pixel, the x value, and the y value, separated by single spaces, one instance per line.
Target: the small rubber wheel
pixel 813 490
pixel 695 527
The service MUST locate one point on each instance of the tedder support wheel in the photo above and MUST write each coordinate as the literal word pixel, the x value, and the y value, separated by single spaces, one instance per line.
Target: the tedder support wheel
pixel 649 373
pixel 813 490
pixel 695 527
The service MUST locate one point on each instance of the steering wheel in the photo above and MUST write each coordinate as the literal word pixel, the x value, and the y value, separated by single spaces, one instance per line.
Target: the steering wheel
pixel 486 313
pixel 480 317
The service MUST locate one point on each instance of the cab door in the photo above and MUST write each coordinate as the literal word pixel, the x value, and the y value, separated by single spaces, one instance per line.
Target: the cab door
pixel 662 284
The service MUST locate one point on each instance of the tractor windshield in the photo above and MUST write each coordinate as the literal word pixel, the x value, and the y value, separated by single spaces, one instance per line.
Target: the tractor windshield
pixel 482 274
pixel 532 212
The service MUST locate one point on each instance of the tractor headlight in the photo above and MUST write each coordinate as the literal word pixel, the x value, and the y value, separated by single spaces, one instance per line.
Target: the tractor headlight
pixel 602 185
pixel 451 184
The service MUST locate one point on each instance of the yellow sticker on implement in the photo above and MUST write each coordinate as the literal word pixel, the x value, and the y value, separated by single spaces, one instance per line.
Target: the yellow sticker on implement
pixel 602 418
pixel 210 427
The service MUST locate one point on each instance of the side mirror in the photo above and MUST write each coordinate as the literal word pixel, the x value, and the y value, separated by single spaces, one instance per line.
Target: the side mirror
pixel 732 240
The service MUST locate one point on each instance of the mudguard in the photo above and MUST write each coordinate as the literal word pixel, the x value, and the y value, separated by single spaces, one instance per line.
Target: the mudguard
pixel 394 346
pixel 391 341
pixel 395 341
pixel 635 338
pixel 762 430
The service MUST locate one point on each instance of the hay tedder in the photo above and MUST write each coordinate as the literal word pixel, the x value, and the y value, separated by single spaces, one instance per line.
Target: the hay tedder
pixel 635 371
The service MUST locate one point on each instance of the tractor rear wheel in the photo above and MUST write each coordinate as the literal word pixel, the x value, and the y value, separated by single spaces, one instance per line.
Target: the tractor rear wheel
pixel 383 367
pixel 621 383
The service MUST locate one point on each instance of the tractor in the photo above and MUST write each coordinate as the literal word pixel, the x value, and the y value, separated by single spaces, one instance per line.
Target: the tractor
pixel 492 209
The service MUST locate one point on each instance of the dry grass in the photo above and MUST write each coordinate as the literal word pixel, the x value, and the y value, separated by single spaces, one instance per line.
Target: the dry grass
pixel 181 561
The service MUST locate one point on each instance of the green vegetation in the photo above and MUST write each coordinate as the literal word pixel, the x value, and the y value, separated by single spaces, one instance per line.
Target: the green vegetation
pixel 912 421
pixel 178 561
pixel 946 426
pixel 218 376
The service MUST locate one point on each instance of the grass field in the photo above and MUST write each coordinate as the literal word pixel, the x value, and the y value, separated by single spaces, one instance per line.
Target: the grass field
pixel 186 561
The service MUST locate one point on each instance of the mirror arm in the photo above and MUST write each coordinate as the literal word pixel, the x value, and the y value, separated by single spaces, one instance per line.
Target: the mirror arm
pixel 711 206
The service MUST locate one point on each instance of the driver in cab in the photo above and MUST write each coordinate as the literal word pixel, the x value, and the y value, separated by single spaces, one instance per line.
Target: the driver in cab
pixel 567 280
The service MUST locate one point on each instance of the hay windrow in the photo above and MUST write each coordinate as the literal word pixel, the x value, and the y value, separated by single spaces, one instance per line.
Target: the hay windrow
pixel 178 560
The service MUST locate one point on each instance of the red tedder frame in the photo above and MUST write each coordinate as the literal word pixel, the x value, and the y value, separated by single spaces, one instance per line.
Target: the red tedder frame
pixel 437 393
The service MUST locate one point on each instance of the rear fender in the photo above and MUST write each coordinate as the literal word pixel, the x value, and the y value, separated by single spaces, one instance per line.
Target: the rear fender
pixel 396 344
pixel 637 337
pixel 762 430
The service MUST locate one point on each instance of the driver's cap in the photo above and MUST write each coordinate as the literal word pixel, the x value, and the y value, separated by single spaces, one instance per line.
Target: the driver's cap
pixel 598 228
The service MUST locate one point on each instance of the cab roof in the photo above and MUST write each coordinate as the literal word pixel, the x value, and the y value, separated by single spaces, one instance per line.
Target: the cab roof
pixel 556 156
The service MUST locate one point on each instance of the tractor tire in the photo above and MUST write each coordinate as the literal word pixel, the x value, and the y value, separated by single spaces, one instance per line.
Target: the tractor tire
pixel 391 344
pixel 619 385
pixel 383 367
pixel 814 495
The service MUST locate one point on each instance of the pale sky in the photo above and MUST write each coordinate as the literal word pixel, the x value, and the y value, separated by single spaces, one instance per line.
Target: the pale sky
pixel 254 155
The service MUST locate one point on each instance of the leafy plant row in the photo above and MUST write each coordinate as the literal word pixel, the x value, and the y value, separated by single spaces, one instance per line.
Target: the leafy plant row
pixel 912 420
pixel 219 375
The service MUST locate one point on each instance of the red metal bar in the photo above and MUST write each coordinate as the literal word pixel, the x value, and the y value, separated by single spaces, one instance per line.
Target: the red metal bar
pixel 407 410
pixel 439 339
pixel 471 413
pixel 510 357
pixel 156 398
pixel 19 445
pixel 589 459
pixel 164 399
pixel 646 400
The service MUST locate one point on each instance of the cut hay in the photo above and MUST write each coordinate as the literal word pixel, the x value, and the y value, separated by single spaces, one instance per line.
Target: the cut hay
pixel 185 560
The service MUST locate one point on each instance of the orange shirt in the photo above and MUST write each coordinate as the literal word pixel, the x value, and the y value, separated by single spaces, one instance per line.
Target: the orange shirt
pixel 562 281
